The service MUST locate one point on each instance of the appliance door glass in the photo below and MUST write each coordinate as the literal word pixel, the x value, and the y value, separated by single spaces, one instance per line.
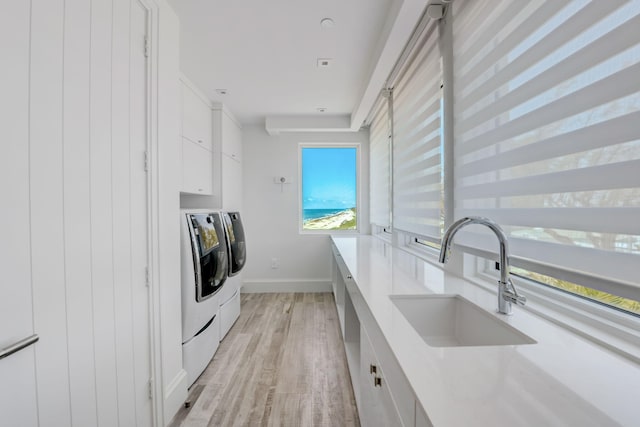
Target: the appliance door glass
pixel 237 245
pixel 209 254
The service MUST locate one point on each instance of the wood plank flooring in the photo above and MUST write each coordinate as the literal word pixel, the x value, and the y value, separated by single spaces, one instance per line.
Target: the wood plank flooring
pixel 282 364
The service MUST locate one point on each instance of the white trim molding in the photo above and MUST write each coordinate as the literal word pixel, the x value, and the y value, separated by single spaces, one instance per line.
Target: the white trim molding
pixel 286 285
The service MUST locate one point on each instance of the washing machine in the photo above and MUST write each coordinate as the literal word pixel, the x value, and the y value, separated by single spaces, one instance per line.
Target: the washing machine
pixel 204 271
pixel 230 294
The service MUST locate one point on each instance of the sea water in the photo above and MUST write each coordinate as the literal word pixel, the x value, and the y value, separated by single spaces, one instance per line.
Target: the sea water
pixel 319 213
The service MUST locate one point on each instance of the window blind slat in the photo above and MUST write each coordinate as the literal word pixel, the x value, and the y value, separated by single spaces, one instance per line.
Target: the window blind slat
pixel 611 176
pixel 621 220
pixel 610 44
pixel 609 133
pixel 502 55
pixel 603 91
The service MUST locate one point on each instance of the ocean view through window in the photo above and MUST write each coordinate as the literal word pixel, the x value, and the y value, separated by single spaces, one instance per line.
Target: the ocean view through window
pixel 329 187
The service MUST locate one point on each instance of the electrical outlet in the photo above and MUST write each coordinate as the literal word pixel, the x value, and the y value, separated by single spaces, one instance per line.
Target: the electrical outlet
pixel 275 263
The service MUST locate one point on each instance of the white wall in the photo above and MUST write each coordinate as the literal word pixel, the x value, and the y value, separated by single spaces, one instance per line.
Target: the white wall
pixel 271 216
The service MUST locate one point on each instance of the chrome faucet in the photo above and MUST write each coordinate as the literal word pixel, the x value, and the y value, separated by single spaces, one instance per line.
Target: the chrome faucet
pixel 507 293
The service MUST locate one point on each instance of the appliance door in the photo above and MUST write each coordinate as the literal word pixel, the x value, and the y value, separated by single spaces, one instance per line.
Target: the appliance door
pixel 210 260
pixel 236 242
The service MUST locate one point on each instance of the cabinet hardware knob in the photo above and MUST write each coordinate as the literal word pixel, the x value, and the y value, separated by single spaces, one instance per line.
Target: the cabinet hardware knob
pixel 377 382
pixel 373 369
pixel 349 276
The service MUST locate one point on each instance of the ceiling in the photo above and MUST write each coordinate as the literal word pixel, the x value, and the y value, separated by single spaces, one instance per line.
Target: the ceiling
pixel 264 53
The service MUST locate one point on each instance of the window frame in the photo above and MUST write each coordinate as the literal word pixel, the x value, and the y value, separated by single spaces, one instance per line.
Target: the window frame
pixel 357 147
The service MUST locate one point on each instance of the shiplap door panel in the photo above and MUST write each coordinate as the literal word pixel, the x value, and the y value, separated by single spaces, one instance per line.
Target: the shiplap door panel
pixel 102 248
pixel 77 195
pixel 74 221
pixel 47 211
pixel 17 373
pixel 121 179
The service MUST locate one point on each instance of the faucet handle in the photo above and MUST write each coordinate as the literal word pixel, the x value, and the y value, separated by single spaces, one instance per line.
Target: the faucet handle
pixel 510 294
pixel 512 297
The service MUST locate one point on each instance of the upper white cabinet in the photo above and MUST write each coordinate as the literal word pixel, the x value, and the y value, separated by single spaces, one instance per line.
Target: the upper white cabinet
pixel 196 142
pixel 196 118
pixel 197 174
pixel 230 134
pixel 211 153
pixel 227 143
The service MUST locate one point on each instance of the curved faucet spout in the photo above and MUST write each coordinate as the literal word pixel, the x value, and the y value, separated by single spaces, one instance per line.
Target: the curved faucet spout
pixel 506 291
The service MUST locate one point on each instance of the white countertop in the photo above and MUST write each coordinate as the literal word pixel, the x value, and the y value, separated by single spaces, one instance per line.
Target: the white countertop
pixel 562 380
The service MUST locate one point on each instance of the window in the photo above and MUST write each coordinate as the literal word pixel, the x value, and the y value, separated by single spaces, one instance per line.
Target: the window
pixel 617 302
pixel 417 142
pixel 546 142
pixel 380 170
pixel 329 193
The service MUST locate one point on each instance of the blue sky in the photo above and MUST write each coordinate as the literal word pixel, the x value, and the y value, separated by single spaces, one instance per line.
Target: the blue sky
pixel 328 178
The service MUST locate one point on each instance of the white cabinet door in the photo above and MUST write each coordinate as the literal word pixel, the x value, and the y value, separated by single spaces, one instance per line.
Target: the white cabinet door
pixel 17 371
pixel 231 184
pixel 196 118
pixel 376 404
pixel 231 137
pixel 197 176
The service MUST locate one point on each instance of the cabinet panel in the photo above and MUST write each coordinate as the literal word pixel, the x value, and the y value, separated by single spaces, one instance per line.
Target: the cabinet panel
pixel 231 137
pixel 339 291
pixel 398 384
pixel 227 163
pixel 376 404
pixel 196 118
pixel 196 169
pixel 231 184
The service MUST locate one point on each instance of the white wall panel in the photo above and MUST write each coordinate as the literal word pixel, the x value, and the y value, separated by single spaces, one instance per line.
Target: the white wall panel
pixel 101 212
pixel 122 209
pixel 46 188
pixel 17 387
pixel 77 221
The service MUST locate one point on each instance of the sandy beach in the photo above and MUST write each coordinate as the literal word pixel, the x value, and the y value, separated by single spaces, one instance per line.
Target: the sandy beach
pixel 331 222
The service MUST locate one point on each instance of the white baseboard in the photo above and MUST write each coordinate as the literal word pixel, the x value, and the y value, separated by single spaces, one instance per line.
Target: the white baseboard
pixel 270 286
pixel 175 395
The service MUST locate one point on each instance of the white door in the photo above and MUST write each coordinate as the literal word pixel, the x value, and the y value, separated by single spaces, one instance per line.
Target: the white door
pixel 74 213
pixel 17 387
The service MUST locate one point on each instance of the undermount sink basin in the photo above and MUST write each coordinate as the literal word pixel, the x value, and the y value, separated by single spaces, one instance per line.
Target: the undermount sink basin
pixel 453 321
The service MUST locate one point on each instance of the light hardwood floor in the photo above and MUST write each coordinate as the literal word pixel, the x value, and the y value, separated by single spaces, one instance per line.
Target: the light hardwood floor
pixel 282 364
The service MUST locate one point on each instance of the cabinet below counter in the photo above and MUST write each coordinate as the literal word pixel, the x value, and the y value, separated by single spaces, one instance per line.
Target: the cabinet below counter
pixel 561 380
